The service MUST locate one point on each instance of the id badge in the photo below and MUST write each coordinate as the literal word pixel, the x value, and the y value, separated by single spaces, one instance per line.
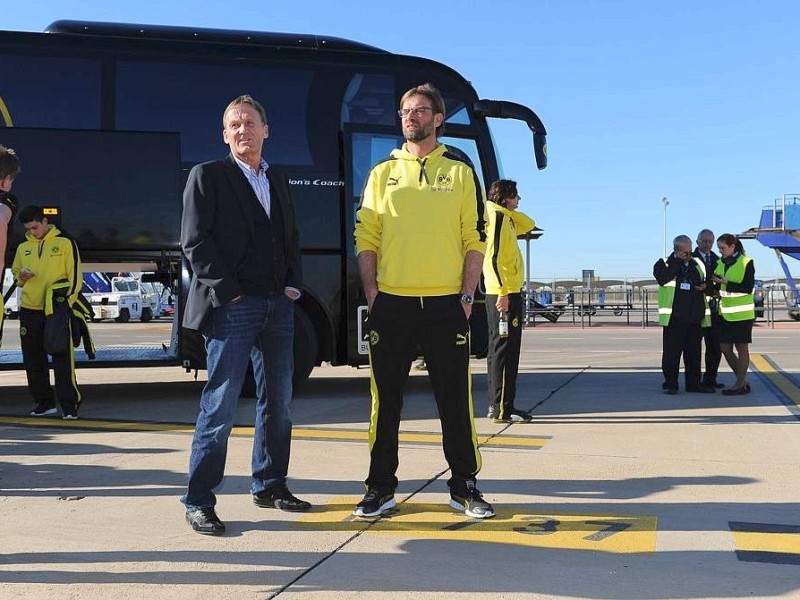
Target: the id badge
pixel 686 285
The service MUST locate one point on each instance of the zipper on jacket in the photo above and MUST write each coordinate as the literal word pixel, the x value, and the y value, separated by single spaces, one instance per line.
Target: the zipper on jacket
pixel 422 172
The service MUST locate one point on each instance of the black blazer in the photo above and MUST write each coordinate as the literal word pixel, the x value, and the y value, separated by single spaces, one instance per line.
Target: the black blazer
pixel 217 232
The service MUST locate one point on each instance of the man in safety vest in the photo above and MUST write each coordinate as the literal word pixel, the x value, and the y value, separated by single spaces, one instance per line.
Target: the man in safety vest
pixel 682 311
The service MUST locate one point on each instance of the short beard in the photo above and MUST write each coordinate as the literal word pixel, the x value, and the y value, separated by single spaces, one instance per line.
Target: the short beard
pixel 419 135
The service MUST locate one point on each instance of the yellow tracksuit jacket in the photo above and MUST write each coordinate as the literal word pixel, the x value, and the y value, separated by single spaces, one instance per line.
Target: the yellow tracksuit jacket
pixel 421 217
pixel 503 268
pixel 50 259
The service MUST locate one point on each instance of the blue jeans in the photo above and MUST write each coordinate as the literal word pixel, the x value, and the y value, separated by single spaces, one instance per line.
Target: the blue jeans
pixel 260 330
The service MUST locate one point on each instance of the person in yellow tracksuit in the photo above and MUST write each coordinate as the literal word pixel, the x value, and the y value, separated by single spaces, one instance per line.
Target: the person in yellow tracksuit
pixel 44 258
pixel 503 276
pixel 420 242
pixel 735 273
pixel 9 167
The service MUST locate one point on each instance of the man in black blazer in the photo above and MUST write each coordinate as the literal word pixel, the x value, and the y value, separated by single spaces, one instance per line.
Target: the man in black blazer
pixel 239 234
pixel 703 251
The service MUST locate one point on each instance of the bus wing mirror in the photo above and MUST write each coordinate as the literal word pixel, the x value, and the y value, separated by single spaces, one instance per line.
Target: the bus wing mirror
pixel 501 109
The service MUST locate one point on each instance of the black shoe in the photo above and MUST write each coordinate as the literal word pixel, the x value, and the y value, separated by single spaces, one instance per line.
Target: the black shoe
pixel 719 386
pixel 670 391
pixel 69 412
pixel 44 409
pixel 375 503
pixel 471 501
pixel 206 521
pixel 516 416
pixel 664 386
pixel 280 497
pixel 736 391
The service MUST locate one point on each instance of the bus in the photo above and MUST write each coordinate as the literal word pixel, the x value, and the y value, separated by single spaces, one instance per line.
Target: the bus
pixel 108 119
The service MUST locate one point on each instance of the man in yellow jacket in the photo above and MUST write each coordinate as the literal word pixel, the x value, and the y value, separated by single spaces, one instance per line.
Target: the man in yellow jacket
pixel 44 258
pixel 420 241
pixel 503 275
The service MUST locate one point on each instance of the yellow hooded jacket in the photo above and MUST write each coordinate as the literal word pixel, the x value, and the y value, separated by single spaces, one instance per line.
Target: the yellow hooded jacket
pixel 50 259
pixel 503 269
pixel 421 217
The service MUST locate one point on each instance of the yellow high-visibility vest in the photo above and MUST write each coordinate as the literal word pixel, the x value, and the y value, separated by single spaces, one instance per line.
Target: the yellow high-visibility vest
pixel 666 295
pixel 735 306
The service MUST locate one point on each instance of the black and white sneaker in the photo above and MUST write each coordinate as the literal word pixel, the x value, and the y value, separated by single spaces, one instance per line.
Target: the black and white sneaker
pixel 69 412
pixel 516 416
pixel 44 409
pixel 375 503
pixel 471 501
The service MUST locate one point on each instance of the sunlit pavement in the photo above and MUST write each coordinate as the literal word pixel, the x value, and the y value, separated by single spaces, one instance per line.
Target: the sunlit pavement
pixel 614 491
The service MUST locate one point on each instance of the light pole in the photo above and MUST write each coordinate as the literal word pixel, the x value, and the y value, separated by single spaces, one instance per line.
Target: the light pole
pixel 665 202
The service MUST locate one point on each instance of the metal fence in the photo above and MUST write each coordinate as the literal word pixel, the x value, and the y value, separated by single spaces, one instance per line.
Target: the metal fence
pixel 633 307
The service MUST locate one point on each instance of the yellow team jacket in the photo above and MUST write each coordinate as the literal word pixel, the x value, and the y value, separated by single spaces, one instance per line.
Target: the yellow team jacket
pixel 503 269
pixel 51 259
pixel 421 217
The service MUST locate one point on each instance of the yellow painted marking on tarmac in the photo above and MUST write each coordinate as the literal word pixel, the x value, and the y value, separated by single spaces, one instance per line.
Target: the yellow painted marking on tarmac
pixel 513 525
pixel 784 543
pixel 341 435
pixel 783 383
pixel 5 113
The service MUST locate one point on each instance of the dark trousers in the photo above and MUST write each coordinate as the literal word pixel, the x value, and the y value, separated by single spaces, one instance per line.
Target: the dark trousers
pixel 713 352
pixel 31 333
pixel 503 357
pixel 437 325
pixel 681 338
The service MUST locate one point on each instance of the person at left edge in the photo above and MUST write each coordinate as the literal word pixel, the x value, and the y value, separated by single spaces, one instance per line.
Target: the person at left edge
pixel 9 167
pixel 45 258
pixel 239 234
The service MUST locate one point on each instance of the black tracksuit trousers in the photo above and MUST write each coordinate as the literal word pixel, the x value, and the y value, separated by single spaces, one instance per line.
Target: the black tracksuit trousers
pixel 437 324
pixel 503 357
pixel 31 328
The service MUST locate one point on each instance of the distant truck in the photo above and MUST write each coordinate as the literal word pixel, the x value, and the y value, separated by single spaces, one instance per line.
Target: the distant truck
pixel 128 299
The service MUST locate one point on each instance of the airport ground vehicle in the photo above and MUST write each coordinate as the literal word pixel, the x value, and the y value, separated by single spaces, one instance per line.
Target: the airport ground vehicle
pixel 128 299
pixel 79 105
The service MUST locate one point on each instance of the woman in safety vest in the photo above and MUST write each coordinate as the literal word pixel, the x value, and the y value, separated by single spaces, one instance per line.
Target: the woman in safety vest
pixel 735 274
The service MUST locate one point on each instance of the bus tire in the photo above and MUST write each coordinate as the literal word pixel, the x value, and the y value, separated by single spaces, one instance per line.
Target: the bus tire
pixel 147 315
pixel 306 346
pixel 124 316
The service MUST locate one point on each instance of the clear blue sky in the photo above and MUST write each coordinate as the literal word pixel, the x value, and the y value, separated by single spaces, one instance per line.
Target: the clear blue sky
pixel 695 101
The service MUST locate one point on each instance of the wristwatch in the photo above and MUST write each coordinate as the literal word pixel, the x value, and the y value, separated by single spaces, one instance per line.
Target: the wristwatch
pixel 467 299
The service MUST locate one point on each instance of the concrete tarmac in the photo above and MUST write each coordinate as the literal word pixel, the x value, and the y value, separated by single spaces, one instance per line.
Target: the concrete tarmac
pixel 614 491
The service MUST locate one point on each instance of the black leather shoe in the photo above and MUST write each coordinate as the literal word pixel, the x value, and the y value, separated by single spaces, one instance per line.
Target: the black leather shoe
pixel 670 391
pixel 280 497
pixel 205 520
pixel 736 391
pixel 719 386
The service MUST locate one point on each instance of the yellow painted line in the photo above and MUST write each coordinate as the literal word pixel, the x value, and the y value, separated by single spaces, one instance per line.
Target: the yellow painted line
pixel 772 543
pixel 341 435
pixel 778 379
pixel 5 113
pixel 513 525
pixel 785 543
